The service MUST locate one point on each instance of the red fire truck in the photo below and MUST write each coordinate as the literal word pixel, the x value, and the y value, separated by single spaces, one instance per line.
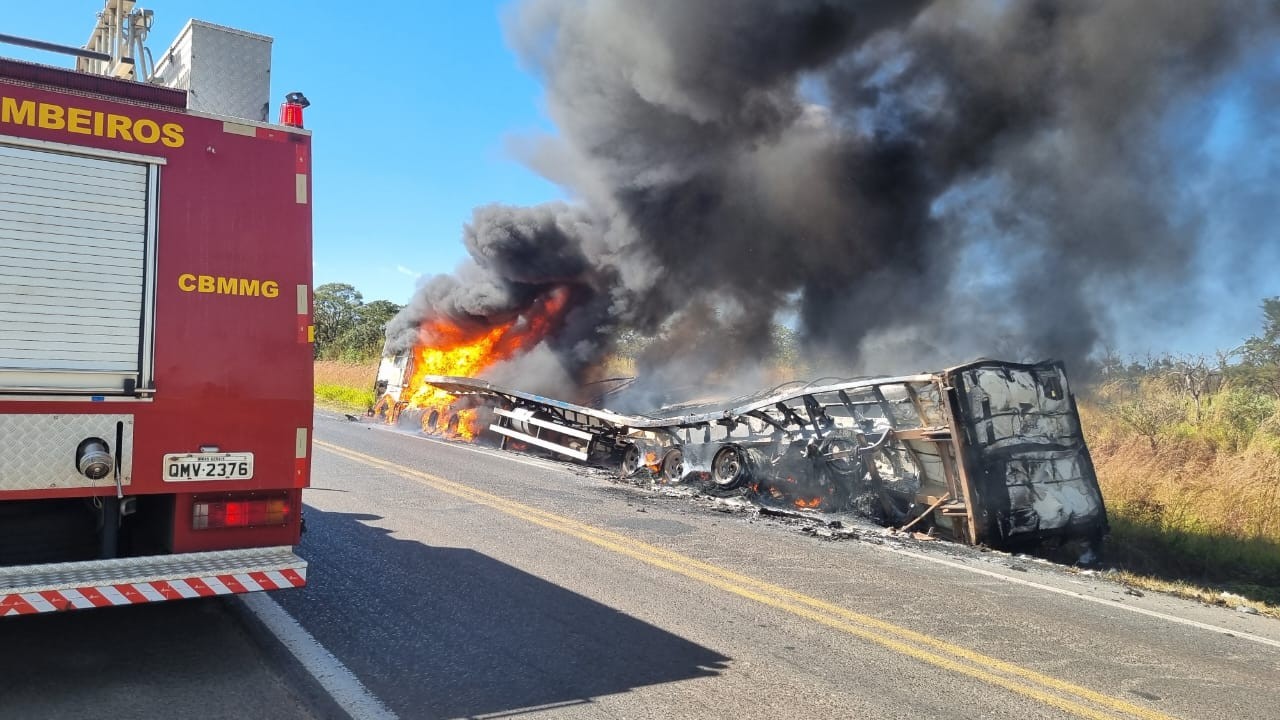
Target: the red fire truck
pixel 155 322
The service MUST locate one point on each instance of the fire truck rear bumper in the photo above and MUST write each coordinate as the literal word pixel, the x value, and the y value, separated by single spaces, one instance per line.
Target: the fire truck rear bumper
pixel 55 587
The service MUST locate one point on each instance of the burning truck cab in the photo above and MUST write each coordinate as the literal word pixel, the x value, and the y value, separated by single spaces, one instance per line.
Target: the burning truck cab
pixel 988 453
pixel 392 373
pixel 434 411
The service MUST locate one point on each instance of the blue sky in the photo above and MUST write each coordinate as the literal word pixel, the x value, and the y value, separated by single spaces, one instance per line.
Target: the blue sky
pixel 412 106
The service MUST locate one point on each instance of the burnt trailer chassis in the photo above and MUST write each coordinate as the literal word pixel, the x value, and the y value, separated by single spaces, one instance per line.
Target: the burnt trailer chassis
pixel 988 453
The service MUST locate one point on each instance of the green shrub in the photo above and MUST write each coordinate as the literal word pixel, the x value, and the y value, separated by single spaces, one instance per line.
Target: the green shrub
pixel 347 398
pixel 1149 410
pixel 1238 413
pixel 1268 433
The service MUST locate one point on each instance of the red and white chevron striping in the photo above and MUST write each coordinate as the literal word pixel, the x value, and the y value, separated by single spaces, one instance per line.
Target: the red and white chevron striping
pixel 153 591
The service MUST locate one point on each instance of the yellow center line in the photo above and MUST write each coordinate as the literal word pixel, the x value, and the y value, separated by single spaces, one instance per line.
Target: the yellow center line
pixel 899 639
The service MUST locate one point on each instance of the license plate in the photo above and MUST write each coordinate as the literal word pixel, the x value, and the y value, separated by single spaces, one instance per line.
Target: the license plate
pixel 208 466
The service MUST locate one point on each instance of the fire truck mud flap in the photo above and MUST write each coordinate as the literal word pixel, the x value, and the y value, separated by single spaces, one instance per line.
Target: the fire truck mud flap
pixel 32 589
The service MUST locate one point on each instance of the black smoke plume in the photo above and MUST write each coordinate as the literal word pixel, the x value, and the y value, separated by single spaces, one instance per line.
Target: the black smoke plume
pixel 905 183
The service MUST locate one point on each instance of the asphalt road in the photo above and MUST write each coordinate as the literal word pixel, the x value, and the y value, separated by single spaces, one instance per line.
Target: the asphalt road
pixel 206 659
pixel 462 582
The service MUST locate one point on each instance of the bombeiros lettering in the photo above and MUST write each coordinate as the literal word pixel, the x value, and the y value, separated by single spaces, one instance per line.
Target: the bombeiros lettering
pixel 81 121
pixel 225 285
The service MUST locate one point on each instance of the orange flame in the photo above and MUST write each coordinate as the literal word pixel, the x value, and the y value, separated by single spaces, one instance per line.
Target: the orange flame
pixel 808 503
pixel 651 461
pixel 446 349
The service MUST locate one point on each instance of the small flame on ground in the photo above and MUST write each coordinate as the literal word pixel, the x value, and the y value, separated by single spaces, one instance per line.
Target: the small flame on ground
pixel 808 502
pixel 651 461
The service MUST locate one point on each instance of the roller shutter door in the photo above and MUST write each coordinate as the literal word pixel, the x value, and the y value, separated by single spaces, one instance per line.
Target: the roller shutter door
pixel 73 254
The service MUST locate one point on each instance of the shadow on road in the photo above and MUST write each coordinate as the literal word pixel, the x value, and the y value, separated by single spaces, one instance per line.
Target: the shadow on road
pixel 159 660
pixel 450 632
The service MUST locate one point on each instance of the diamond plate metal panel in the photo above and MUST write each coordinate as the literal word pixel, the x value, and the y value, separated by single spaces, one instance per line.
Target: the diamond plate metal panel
pixel 34 578
pixel 225 71
pixel 39 451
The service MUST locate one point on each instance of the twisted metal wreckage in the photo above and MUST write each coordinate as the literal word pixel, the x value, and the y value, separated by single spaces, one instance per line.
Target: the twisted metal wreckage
pixel 989 453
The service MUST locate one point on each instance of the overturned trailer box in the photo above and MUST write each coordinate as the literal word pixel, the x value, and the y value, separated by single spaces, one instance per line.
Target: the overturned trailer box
pixel 987 453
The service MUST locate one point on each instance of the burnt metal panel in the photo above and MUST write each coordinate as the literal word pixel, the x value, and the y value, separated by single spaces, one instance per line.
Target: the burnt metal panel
pixel 1032 466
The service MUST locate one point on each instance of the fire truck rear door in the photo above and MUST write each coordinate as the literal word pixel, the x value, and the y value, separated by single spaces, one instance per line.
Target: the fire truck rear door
pixel 76 244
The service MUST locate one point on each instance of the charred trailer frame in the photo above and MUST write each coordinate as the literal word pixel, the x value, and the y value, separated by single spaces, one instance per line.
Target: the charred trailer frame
pixel 987 453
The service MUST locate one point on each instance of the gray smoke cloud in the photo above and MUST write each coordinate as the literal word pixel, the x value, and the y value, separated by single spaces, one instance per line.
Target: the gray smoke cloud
pixel 912 183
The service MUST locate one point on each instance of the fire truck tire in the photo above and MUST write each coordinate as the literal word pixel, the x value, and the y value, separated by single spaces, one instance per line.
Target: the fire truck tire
pixel 729 468
pixel 673 465
pixel 630 462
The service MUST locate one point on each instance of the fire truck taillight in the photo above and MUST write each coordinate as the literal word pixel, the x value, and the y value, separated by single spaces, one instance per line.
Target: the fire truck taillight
pixel 240 512
pixel 291 110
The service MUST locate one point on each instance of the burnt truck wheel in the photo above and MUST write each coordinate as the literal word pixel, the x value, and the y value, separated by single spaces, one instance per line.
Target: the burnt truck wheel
pixel 384 409
pixel 841 455
pixel 729 467
pixel 673 465
pixel 630 462
pixel 405 417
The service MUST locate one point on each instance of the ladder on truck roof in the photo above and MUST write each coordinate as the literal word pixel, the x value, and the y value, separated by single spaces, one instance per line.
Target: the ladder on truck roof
pixel 120 36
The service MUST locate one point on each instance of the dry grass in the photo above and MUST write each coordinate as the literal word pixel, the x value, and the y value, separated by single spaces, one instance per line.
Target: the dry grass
pixel 352 375
pixel 345 386
pixel 1192 507
pixel 1190 591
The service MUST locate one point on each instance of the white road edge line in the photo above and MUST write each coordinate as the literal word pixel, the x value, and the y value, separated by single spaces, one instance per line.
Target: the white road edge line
pixel 342 685
pixel 1081 596
pixel 939 561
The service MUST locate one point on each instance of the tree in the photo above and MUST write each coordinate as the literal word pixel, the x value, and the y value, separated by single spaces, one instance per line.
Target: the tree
pixel 337 311
pixel 1196 377
pixel 346 328
pixel 365 338
pixel 1110 365
pixel 1146 408
pixel 1260 354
